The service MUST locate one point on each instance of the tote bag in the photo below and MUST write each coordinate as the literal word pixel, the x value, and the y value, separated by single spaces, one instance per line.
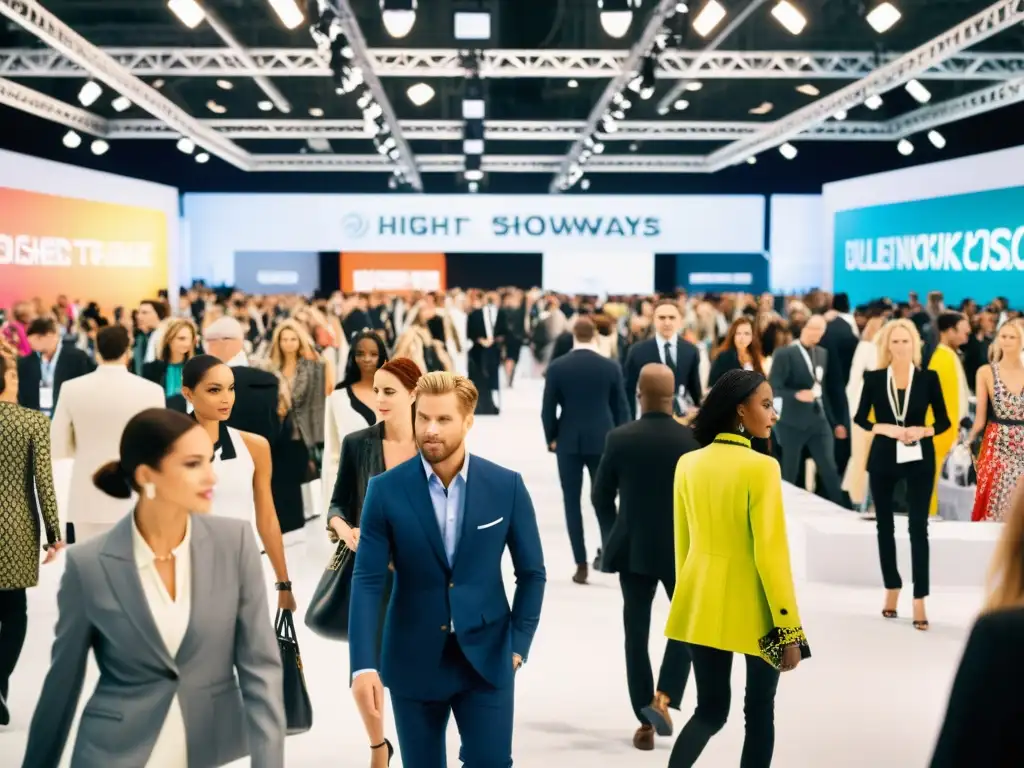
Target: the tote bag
pixel 297 707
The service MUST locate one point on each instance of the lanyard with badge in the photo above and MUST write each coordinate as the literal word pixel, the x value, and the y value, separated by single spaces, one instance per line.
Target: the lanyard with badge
pixel 905 454
pixel 817 372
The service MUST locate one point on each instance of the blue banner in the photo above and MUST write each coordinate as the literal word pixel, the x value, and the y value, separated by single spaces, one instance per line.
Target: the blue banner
pixel 967 246
pixel 722 272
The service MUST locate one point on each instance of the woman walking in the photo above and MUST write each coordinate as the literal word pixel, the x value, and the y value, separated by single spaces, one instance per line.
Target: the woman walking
pixel 735 589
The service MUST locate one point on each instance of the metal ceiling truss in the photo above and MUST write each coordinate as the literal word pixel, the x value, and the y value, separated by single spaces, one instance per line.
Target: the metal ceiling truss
pixel 498 63
pixel 491 163
pixel 25 99
pixel 55 33
pixel 969 105
pixel 994 19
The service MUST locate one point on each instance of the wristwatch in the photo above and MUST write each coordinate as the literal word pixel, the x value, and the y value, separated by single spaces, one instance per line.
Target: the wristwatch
pixel 284 586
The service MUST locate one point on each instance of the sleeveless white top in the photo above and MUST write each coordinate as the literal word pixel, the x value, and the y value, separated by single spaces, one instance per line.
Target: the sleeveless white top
pixel 233 495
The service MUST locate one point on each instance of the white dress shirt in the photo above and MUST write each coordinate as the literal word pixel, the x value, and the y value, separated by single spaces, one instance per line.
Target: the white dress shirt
pixel 171 618
pixel 673 347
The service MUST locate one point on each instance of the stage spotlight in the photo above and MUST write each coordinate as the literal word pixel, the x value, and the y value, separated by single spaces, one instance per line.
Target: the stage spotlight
pixel 419 94
pixel 873 102
pixel 937 139
pixel 472 25
pixel 905 148
pixel 788 151
pixel 710 16
pixel 186 145
pixel 189 12
pixel 399 16
pixel 99 147
pixel 790 17
pixel 72 140
pixel 203 157
pixel 883 16
pixel 89 93
pixel 474 168
pixel 265 106
pixel 288 12
pixel 121 103
pixel 916 89
pixel 616 17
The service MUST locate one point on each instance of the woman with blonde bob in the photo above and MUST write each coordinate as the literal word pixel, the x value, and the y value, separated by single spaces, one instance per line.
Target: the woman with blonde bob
pixel 985 706
pixel 894 407
pixel 177 347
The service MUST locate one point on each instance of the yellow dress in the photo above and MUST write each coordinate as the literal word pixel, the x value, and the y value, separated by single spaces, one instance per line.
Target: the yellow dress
pixel 946 364
pixel 734 587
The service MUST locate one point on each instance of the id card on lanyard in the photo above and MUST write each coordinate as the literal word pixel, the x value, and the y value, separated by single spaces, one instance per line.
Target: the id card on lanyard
pixel 817 372
pixel 47 370
pixel 905 454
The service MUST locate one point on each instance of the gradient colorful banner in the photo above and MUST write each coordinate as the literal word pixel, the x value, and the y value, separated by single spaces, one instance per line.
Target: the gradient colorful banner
pixel 115 255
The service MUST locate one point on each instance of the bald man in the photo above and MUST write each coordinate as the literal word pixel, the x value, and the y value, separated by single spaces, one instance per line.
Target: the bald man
pixel 639 465
pixel 807 419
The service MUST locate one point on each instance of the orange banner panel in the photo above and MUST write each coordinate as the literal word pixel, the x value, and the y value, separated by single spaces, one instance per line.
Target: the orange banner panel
pixel 115 255
pixel 392 272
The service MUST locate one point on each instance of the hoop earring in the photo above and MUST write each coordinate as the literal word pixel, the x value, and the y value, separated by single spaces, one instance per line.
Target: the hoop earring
pixel 149 491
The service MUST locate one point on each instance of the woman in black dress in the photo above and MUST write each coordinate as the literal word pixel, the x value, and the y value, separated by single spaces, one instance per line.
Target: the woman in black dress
pixel 365 454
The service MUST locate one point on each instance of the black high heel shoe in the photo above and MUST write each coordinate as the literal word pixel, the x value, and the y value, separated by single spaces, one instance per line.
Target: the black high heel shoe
pixel 391 749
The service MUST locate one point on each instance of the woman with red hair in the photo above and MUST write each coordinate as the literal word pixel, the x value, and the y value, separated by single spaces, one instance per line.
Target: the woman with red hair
pixel 365 454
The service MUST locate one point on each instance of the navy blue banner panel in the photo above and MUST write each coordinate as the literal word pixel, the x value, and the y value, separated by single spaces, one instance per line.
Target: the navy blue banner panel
pixel 722 272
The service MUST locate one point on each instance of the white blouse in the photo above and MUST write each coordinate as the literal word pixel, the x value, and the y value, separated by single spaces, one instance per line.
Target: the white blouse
pixel 171 617
pixel 233 495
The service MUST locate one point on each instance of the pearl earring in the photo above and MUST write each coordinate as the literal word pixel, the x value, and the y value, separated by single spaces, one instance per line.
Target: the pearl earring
pixel 149 490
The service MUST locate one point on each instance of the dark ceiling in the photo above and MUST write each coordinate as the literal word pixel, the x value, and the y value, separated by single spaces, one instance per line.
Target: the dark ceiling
pixel 833 25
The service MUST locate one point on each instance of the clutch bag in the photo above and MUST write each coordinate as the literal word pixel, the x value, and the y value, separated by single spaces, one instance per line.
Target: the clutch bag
pixel 774 643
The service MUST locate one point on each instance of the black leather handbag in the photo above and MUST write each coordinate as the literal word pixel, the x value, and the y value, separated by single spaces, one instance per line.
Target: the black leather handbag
pixel 297 707
pixel 327 614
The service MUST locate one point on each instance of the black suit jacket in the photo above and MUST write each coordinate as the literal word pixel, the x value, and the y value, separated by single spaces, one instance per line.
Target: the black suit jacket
pixel 985 705
pixel 687 368
pixel 255 403
pixel 588 389
pixel 790 375
pixel 71 364
pixel 563 346
pixel 362 457
pixel 476 327
pixel 156 371
pixel 840 342
pixel 925 391
pixel 639 464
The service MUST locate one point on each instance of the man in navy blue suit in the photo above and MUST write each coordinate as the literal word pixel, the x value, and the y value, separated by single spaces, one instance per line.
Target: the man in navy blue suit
pixel 451 643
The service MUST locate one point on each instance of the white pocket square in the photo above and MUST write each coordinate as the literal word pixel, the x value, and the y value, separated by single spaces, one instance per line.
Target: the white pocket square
pixel 490 524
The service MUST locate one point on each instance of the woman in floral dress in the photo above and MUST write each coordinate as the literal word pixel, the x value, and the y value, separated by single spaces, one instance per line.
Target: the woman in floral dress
pixel 1000 388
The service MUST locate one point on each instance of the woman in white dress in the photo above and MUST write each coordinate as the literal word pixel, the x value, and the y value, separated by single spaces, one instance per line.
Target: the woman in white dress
pixel 241 461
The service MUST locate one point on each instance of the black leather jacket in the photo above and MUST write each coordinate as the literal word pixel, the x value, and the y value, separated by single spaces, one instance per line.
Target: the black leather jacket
pixel 362 457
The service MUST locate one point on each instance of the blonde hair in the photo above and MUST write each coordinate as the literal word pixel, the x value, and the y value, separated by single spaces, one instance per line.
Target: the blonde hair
pixel 882 340
pixel 173 329
pixel 443 382
pixel 306 349
pixel 1006 573
pixel 995 352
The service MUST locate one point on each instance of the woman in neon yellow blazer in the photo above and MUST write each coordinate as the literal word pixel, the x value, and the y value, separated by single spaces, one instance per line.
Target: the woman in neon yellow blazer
pixel 734 589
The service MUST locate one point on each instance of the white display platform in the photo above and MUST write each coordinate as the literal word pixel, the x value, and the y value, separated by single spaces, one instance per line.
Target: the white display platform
pixel 835 546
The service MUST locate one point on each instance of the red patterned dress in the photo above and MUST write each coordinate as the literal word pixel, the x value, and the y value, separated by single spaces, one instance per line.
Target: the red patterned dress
pixel 1001 462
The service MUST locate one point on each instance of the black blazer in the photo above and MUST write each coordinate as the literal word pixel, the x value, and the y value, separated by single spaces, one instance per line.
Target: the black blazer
pixel 562 346
pixel 588 389
pixel 924 391
pixel 639 464
pixel 476 328
pixel 255 403
pixel 687 368
pixel 156 371
pixel 71 364
pixel 840 342
pixel 790 375
pixel 727 360
pixel 985 705
pixel 362 457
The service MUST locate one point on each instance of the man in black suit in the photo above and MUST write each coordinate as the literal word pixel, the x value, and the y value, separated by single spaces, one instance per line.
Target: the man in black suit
pixel 669 348
pixel 807 418
pixel 840 341
pixel 588 388
pixel 486 329
pixel 639 464
pixel 52 363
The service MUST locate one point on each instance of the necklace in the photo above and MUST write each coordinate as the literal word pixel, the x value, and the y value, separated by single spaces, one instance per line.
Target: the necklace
pixel 163 558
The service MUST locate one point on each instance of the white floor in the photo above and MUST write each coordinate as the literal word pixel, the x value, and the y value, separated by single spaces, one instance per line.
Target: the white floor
pixel 872 695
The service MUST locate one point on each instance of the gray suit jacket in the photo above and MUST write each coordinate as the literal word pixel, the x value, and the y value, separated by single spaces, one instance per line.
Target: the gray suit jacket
pixel 788 376
pixel 102 607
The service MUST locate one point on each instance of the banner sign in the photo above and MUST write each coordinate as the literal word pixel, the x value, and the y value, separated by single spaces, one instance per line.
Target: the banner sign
pixel 966 246
pixel 722 272
pixel 115 255
pixel 393 272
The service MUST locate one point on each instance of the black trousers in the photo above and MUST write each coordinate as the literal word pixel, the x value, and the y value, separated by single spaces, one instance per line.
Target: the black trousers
pixel 570 475
pixel 818 441
pixel 920 479
pixel 13 625
pixel 712 669
pixel 638 593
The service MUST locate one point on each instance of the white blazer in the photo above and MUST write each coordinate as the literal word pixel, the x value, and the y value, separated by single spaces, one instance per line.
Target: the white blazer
pixel 91 414
pixel 339 420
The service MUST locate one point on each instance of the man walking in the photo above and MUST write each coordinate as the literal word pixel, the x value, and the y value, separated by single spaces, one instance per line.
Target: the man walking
pixel 666 347
pixel 639 465
pixel 583 401
pixel 451 645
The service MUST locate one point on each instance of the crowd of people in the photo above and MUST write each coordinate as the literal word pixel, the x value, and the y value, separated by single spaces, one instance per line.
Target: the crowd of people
pixel 198 427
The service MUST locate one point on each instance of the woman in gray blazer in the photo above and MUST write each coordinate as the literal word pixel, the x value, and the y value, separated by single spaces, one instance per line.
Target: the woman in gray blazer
pixel 172 603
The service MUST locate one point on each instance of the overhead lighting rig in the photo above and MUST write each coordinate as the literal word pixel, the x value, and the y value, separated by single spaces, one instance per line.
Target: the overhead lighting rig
pixel 474 111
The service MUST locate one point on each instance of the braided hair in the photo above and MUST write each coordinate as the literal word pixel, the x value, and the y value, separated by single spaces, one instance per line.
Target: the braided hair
pixel 718 412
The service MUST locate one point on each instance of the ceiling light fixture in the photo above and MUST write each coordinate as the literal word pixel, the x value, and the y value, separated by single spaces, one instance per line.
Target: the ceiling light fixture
pixel 808 90
pixel 873 102
pixel 72 140
pixel 265 106
pixel 99 147
pixel 288 12
pixel 840 115
pixel 883 16
pixel 916 89
pixel 419 94
pixel 158 84
pixel 398 16
pixel 202 157
pixel 680 105
pixel 751 160
pixel 905 148
pixel 473 147
pixel 189 12
pixel 316 112
pixel 225 85
pixel 789 17
pixel 710 16
pixel 616 17
pixel 762 109
pixel 573 84
pixel 788 151
pixel 217 109
pixel 121 103
pixel 89 93
pixel 186 145
pixel 937 139
pixel 694 85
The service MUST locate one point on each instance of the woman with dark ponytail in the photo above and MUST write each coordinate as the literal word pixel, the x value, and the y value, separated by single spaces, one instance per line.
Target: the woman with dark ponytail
pixel 735 589
pixel 172 604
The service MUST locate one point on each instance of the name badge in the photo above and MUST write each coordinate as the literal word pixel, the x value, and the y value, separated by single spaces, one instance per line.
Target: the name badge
pixel 46 399
pixel 907 454
pixel 816 391
pixel 819 373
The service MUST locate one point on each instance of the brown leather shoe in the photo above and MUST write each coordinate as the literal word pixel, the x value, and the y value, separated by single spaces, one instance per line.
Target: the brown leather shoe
pixel 644 738
pixel 657 714
pixel 580 577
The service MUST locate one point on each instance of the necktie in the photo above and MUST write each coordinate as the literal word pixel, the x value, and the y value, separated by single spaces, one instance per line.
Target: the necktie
pixel 671 363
